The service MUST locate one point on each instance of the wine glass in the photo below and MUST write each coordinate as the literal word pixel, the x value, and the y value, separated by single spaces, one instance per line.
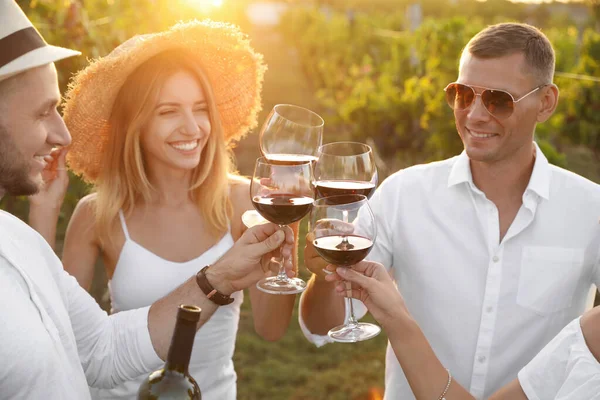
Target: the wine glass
pixel 345 168
pixel 282 194
pixel 291 135
pixel 344 232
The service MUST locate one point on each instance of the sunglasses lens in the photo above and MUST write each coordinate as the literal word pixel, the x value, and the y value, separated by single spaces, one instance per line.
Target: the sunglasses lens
pixel 500 104
pixel 459 97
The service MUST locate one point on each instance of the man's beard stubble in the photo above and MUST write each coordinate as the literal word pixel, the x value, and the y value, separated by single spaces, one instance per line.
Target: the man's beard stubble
pixel 15 177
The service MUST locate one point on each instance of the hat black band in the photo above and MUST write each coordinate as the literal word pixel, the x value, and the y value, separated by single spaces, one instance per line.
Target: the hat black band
pixel 18 44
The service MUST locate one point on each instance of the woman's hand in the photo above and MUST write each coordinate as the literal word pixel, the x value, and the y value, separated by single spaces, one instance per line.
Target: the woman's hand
pixel 371 283
pixel 56 181
pixel 44 206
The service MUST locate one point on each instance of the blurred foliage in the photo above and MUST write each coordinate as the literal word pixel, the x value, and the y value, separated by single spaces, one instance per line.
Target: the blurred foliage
pixel 95 27
pixel 380 75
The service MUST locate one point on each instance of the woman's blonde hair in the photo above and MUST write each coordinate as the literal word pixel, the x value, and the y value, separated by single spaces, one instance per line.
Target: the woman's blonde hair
pixel 123 180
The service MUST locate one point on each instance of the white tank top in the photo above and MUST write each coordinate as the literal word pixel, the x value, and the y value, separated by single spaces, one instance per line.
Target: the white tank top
pixel 140 278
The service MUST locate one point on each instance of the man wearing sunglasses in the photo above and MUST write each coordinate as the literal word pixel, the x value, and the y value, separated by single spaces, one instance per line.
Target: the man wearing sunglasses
pixel 494 250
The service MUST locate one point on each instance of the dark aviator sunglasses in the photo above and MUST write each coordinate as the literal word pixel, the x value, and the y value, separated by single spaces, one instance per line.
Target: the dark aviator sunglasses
pixel 499 103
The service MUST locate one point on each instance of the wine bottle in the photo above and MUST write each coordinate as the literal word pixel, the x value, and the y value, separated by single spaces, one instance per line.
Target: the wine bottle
pixel 173 381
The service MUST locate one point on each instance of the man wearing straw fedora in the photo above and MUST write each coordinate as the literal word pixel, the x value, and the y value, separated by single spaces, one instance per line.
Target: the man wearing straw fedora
pixel 54 338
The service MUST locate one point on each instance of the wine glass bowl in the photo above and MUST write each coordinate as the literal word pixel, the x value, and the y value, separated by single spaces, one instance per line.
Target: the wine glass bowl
pixel 291 135
pixel 281 194
pixel 344 232
pixel 345 168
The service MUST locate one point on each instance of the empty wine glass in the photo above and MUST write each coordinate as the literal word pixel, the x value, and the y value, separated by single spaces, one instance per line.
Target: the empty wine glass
pixel 282 194
pixel 291 135
pixel 344 232
pixel 345 168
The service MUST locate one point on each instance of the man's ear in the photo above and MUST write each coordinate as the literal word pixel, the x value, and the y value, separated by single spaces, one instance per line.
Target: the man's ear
pixel 548 102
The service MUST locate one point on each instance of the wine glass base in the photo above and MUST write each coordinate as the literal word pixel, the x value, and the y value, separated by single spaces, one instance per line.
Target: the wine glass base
pixel 356 333
pixel 274 285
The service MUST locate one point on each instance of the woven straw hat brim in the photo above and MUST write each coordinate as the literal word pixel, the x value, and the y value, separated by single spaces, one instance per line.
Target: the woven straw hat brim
pixel 234 69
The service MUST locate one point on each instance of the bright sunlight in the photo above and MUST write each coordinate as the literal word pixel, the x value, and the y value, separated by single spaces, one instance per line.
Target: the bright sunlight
pixel 204 5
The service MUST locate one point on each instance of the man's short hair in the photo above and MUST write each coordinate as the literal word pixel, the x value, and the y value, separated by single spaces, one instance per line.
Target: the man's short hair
pixel 509 38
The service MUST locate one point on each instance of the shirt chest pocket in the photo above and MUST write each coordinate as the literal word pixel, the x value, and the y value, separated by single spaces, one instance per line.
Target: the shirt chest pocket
pixel 549 278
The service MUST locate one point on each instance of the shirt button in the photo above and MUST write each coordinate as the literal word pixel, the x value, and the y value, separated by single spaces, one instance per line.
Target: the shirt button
pixel 489 309
pixel 481 359
pixel 495 259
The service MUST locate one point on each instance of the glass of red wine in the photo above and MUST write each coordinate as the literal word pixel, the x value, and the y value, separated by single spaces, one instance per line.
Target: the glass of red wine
pixel 345 168
pixel 282 194
pixel 344 232
pixel 291 135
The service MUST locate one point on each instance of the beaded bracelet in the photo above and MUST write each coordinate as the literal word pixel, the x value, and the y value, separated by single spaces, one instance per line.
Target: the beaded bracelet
pixel 447 386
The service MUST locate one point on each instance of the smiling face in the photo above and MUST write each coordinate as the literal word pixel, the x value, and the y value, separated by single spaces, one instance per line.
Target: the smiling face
pixel 179 125
pixel 30 126
pixel 486 138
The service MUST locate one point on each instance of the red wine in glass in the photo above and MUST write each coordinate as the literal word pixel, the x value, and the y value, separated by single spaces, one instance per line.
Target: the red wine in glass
pixel 326 188
pixel 281 208
pixel 343 250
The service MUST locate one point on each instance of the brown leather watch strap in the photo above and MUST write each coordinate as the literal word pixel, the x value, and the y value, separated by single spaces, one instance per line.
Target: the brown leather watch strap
pixel 210 292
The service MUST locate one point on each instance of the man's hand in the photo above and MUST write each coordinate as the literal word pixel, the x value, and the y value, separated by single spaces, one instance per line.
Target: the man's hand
pixel 371 283
pixel 250 258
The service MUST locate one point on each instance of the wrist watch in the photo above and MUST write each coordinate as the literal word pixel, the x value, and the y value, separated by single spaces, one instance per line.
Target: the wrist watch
pixel 211 293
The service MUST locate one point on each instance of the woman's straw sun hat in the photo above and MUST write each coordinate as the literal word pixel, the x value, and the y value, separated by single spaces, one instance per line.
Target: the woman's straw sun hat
pixel 234 69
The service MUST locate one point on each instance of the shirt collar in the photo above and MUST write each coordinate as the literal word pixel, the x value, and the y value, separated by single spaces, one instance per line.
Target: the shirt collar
pixel 461 170
pixel 540 176
pixel 538 183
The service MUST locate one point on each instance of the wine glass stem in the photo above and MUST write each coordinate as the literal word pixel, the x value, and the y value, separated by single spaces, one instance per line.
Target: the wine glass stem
pixel 351 319
pixel 281 275
pixel 345 219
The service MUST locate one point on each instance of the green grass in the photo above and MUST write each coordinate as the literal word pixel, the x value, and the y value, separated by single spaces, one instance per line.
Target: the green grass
pixel 293 368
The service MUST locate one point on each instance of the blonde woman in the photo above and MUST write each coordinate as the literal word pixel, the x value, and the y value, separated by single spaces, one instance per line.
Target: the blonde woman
pixel 152 124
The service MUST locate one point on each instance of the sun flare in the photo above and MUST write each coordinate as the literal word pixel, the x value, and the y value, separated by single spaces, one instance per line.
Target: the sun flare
pixel 205 5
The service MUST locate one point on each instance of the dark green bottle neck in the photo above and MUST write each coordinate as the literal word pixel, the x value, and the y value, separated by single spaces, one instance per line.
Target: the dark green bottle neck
pixel 180 350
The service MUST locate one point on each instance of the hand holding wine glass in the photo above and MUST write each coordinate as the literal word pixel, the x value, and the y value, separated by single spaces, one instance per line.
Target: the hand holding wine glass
pixel 282 194
pixel 343 228
pixel 372 284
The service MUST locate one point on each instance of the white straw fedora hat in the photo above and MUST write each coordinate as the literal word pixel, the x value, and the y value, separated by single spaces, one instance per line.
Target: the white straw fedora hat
pixel 21 45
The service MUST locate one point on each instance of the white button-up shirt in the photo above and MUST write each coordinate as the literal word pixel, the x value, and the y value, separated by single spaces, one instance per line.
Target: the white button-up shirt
pixel 565 369
pixel 486 307
pixel 54 338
